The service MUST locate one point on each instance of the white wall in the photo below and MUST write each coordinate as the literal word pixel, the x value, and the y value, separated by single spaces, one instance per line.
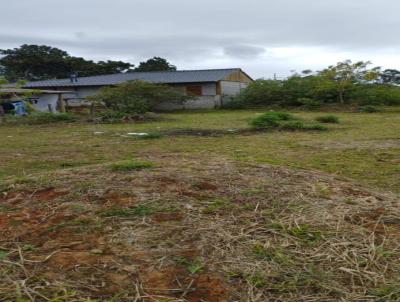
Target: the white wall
pixel 232 88
pixel 209 100
pixel 43 101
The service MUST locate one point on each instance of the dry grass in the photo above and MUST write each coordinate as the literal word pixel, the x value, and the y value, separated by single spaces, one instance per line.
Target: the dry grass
pixel 195 229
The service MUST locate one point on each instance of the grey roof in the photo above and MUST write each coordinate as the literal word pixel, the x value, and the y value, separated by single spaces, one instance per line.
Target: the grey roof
pixel 41 91
pixel 168 77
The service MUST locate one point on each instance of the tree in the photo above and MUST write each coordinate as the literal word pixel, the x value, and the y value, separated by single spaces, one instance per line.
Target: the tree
pixel 390 76
pixel 344 75
pixel 155 64
pixel 33 62
pixel 137 96
pixel 41 62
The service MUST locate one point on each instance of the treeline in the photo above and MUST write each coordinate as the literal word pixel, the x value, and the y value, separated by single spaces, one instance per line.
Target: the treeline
pixel 41 62
pixel 345 82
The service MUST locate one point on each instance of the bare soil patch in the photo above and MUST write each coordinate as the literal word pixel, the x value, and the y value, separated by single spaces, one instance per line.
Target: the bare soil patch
pixel 198 229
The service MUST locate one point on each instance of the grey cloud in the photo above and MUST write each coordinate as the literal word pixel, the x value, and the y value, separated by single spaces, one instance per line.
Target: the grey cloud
pixel 206 33
pixel 243 51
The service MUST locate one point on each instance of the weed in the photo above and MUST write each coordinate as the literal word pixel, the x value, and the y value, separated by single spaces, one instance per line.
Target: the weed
pixel 28 248
pixel 333 119
pixel 305 233
pixel 277 255
pixel 256 280
pixel 322 191
pixel 387 293
pixel 215 206
pixel 131 165
pixel 195 266
pixel 3 255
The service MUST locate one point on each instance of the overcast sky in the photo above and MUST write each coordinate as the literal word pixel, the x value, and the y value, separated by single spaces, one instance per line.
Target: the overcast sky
pixel 261 36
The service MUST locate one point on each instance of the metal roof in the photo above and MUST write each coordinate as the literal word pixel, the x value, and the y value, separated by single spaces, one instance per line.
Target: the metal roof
pixel 168 77
pixel 22 90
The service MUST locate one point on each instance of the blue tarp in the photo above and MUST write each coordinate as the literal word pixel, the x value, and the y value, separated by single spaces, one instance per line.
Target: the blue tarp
pixel 20 108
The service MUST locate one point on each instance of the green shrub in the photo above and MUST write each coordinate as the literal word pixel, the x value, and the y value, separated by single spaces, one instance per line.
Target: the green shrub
pixel 328 119
pixel 234 103
pixel 368 109
pixel 271 120
pixel 137 97
pixel 130 165
pixel 309 103
pixel 41 118
pixel 292 125
pixel 283 121
pixel 153 135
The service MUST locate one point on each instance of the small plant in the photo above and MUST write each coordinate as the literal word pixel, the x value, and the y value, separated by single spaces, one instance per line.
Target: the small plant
pixel 389 292
pixel 130 165
pixel 195 266
pixel 216 205
pixel 257 280
pixel 305 233
pixel 328 119
pixel 153 135
pixel 368 109
pixel 3 255
pixel 271 119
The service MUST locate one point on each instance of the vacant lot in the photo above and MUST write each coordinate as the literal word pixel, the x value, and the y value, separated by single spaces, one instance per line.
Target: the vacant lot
pixel 203 211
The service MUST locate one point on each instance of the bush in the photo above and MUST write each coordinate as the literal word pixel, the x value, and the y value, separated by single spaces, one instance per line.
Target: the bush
pixel 137 97
pixel 271 119
pixel 41 118
pixel 309 103
pixel 234 103
pixel 130 165
pixel 368 109
pixel 328 119
pixel 283 121
pixel 292 125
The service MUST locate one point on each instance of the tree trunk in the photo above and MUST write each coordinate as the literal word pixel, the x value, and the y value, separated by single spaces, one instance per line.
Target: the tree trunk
pixel 61 103
pixel 92 110
pixel 2 113
pixel 341 98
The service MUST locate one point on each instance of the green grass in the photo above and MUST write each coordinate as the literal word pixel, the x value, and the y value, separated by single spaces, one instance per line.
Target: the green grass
pixel 362 147
pixel 130 165
pixel 140 210
pixel 329 119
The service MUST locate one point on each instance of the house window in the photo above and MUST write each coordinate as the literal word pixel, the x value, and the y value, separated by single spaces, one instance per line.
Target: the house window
pixel 194 90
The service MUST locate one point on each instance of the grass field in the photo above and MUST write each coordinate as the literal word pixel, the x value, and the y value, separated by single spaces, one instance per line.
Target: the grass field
pixel 364 147
pixel 202 210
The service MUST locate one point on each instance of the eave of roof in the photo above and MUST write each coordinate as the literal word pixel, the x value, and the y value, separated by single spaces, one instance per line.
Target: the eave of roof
pixel 167 77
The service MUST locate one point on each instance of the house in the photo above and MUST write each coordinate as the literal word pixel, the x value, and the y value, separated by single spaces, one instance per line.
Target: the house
pixel 211 87
pixel 42 100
